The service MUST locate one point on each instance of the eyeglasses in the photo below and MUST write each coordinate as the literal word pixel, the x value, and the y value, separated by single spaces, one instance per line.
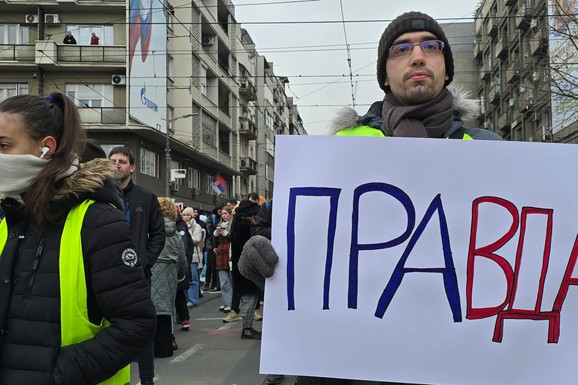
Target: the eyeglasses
pixel 405 49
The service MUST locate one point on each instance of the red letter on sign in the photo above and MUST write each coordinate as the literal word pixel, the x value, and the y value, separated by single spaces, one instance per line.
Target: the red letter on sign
pixel 488 252
pixel 553 317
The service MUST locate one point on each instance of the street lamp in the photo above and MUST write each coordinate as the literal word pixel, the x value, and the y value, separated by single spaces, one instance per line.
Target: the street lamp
pixel 168 151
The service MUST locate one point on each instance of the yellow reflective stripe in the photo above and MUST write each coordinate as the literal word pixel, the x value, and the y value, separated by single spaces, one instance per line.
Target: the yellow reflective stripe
pixel 75 326
pixel 3 234
pixel 360 131
pixel 370 131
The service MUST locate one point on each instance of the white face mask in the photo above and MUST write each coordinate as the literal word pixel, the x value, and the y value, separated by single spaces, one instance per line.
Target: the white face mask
pixel 16 173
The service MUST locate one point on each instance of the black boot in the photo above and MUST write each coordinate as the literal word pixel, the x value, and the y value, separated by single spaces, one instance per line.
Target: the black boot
pixel 175 346
pixel 250 334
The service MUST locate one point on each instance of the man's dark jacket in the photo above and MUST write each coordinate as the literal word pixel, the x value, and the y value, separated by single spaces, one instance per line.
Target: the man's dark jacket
pixel 146 221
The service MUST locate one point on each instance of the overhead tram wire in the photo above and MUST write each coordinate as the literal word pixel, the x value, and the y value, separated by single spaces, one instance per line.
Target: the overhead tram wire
pixel 348 55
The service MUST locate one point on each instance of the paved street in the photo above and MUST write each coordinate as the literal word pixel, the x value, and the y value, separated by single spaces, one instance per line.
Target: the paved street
pixel 211 353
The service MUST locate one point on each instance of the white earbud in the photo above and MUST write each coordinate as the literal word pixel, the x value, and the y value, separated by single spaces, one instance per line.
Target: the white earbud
pixel 43 152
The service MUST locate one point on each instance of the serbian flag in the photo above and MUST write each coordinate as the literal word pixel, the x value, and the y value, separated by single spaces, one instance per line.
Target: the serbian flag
pixel 219 185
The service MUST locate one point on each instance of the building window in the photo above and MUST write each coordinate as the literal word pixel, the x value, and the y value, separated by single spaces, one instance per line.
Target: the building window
pixel 270 147
pixel 209 130
pixel 9 90
pixel 91 95
pixel 83 33
pixel 269 121
pixel 14 34
pixel 193 178
pixel 149 162
pixel 224 140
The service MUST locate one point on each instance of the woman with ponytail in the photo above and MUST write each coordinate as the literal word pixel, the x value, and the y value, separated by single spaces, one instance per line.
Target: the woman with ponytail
pixel 74 305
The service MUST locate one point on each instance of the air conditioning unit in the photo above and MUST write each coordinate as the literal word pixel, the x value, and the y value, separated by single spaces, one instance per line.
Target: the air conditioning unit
pixel 196 191
pixel 208 41
pixel 118 80
pixel 31 19
pixel 51 18
pixel 512 102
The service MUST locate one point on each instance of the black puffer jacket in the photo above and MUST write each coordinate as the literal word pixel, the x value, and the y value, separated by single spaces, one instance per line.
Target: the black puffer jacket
pixel 147 223
pixel 30 351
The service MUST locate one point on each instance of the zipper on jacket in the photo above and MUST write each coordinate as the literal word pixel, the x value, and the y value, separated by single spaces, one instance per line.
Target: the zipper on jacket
pixel 34 268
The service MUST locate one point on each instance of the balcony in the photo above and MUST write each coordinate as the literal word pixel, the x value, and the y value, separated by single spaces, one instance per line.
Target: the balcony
pixel 91 115
pixel 492 27
pixel 248 165
pixel 504 122
pixel 247 128
pixel 247 89
pixel 526 101
pixel 495 95
pixel 17 52
pixel 512 73
pixel 502 49
pixel 51 54
pixel 510 3
pixel 538 43
pixel 523 18
pixel 485 73
pixel 478 51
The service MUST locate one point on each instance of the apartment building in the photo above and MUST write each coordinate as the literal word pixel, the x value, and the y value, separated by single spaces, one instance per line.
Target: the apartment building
pixel 519 44
pixel 174 81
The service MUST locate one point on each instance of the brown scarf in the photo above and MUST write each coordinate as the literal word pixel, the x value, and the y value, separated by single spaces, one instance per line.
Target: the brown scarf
pixel 426 120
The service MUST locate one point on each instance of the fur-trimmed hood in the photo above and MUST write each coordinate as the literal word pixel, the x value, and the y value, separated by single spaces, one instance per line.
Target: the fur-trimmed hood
pixel 97 179
pixel 464 109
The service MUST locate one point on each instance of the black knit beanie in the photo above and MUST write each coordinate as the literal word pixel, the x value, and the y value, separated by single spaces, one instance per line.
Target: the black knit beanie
pixel 411 22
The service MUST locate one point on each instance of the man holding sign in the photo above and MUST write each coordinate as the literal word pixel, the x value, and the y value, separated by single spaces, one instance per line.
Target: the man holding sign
pixel 414 67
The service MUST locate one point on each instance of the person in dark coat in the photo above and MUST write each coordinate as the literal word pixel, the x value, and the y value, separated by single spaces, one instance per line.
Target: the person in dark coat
pixel 145 217
pixel 69 38
pixel 181 299
pixel 90 262
pixel 243 219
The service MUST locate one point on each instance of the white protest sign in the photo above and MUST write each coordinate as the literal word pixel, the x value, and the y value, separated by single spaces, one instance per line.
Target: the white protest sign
pixel 424 261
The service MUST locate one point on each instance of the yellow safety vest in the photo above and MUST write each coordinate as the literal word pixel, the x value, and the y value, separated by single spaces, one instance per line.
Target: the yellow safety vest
pixel 75 326
pixel 370 131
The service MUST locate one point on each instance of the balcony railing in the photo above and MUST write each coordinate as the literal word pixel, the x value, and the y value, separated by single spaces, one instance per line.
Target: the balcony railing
pixel 248 165
pixel 17 52
pixel 105 115
pixel 247 128
pixel 87 53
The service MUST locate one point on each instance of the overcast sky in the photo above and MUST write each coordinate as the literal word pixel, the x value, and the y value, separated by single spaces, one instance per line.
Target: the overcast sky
pixel 306 41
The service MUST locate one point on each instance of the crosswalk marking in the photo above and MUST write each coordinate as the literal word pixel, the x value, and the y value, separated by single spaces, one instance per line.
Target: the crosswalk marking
pixel 189 352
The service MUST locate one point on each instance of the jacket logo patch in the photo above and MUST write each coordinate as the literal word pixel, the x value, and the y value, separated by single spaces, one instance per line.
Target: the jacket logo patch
pixel 129 257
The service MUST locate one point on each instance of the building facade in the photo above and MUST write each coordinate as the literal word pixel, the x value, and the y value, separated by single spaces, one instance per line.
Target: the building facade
pixel 177 83
pixel 511 52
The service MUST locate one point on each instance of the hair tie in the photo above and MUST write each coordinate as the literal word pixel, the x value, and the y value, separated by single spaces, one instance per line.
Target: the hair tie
pixel 50 98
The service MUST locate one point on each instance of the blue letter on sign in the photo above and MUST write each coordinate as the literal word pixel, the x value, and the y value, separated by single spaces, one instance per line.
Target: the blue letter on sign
pixel 448 272
pixel 333 194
